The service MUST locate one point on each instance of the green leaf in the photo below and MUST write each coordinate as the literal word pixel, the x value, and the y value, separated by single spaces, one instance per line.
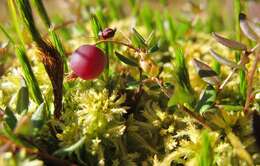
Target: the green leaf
pixel 181 69
pixel 101 18
pixel 15 21
pixel 95 25
pixel 10 118
pixel 180 96
pixel 242 83
pixel 137 39
pixel 183 91
pixel 6 34
pixel 207 99
pixel 160 24
pixel 39 117
pixel 42 12
pixel 152 43
pixel 132 85
pixel 171 29
pixel 22 100
pixel 72 148
pixel 147 16
pixel 183 27
pixel 126 60
pixel 29 76
pixel 205 157
pixel 114 9
pixel 25 11
pixel 8 132
pixel 235 108
pixel 206 73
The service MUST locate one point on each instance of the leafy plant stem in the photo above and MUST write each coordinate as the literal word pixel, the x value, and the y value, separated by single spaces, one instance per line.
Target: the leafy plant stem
pixel 198 118
pixel 250 83
pixel 159 82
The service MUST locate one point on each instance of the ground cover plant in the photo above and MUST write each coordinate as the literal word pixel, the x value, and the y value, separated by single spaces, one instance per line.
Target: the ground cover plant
pixel 129 83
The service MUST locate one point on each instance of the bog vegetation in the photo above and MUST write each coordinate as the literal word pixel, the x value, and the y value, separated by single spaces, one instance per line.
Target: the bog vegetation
pixel 129 83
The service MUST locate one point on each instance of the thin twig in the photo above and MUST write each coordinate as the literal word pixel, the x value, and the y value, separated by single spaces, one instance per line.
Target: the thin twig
pixel 227 79
pixel 198 118
pixel 159 82
pixel 250 80
pixel 118 42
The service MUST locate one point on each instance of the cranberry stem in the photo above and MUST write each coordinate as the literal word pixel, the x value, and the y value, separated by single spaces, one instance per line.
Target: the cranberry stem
pixel 250 80
pixel 118 42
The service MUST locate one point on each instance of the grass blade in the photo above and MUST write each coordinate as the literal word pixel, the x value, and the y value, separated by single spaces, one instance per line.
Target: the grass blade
pixel 42 12
pixel 29 76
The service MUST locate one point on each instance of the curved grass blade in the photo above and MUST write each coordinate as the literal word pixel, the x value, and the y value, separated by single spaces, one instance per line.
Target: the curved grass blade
pixel 42 12
pixel 223 60
pixel 206 73
pixel 229 43
pixel 29 76
pixel 205 157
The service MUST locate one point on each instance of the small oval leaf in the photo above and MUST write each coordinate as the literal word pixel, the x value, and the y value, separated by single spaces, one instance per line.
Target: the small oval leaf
pixel 207 99
pixel 223 60
pixel 229 43
pixel 247 30
pixel 206 73
pixel 10 118
pixel 38 116
pixel 126 60
pixel 22 100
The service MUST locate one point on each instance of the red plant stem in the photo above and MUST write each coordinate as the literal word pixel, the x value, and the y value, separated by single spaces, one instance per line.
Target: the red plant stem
pixel 198 118
pixel 250 80
pixel 118 42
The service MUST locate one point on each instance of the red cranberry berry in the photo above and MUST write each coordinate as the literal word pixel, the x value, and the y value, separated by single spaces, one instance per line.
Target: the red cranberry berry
pixel 107 33
pixel 88 62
